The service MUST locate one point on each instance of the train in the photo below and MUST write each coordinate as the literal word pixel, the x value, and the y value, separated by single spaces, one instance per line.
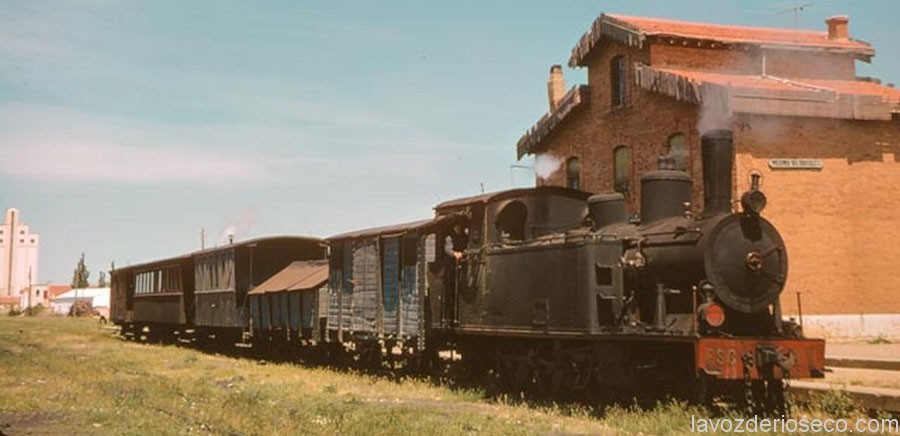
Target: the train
pixel 556 292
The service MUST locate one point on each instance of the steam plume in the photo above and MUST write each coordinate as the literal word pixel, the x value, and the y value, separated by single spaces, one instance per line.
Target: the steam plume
pixel 240 227
pixel 545 165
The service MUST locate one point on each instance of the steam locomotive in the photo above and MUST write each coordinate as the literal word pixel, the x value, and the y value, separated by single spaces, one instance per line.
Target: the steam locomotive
pixel 559 292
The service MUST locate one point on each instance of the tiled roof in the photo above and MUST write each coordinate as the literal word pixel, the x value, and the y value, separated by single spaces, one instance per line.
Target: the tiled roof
pixel 55 290
pixel 634 30
pixel 849 99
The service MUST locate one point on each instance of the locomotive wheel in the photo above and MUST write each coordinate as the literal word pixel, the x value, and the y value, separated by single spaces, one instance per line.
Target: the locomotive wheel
pixel 549 379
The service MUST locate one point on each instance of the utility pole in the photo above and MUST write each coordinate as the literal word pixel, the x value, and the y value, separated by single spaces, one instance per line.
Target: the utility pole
pixel 12 243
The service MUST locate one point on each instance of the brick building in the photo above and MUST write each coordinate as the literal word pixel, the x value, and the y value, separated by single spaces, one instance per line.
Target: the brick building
pixel 826 142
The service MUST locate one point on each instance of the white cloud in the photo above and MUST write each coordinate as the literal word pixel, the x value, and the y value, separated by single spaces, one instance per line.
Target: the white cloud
pixel 60 160
pixel 52 144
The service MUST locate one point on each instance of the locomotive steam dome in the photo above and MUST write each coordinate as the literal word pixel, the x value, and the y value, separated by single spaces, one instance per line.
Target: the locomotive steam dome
pixel 746 261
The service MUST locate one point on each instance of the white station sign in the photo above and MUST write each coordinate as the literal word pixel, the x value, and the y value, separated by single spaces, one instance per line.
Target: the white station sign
pixel 796 164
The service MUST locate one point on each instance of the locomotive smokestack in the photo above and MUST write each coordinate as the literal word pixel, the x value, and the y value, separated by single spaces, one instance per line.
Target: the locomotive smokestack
pixel 717 150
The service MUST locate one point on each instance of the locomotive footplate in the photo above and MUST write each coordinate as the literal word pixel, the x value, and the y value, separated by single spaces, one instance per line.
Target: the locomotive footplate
pixel 736 359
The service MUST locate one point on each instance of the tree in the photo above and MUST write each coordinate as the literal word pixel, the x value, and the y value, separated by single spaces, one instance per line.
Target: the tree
pixel 101 281
pixel 80 277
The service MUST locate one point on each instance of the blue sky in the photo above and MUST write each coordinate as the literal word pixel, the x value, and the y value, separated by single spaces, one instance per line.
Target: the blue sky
pixel 127 127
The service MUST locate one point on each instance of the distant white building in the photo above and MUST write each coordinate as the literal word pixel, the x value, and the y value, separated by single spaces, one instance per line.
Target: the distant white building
pixel 18 256
pixel 98 297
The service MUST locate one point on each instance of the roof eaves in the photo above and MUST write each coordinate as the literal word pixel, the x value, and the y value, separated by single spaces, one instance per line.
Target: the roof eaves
pixel 543 128
pixel 608 26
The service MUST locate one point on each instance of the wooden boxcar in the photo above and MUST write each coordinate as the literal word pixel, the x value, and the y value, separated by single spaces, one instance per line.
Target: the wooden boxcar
pixel 378 283
pixel 289 305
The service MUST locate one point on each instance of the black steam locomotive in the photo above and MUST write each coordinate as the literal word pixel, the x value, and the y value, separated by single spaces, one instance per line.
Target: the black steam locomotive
pixel 558 293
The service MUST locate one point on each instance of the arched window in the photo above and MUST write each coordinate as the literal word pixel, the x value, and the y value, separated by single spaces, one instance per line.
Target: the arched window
pixel 678 151
pixel 621 169
pixel 618 75
pixel 573 173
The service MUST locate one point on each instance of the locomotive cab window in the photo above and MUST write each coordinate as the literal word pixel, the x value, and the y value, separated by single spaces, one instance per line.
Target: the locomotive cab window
pixel 511 221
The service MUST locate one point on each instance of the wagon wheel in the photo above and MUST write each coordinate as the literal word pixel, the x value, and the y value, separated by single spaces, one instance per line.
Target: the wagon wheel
pixel 522 376
pixel 549 377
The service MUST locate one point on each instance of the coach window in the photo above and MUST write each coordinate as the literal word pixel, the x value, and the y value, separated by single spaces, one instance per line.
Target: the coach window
pixel 621 169
pixel 678 151
pixel 573 173
pixel 618 81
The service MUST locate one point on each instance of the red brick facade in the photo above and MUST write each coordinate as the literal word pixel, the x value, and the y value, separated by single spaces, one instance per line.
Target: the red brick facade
pixel 839 223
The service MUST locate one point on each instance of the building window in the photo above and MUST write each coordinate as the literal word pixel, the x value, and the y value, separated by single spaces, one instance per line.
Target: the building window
pixel 678 151
pixel 617 79
pixel 573 173
pixel 621 169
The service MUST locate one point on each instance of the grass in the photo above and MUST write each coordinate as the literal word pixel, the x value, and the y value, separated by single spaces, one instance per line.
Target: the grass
pixel 65 376
pixel 69 376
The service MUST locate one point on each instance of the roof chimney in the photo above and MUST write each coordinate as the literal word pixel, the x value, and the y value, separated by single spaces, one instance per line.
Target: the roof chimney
pixel 838 27
pixel 556 87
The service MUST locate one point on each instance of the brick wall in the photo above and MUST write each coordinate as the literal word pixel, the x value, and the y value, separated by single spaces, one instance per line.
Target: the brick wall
pixel 644 125
pixel 783 63
pixel 841 224
pixel 693 58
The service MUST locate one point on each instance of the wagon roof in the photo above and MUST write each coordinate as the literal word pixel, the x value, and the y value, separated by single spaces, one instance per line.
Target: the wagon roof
pixel 385 230
pixel 298 276
pixel 153 263
pixel 252 241
pixel 512 193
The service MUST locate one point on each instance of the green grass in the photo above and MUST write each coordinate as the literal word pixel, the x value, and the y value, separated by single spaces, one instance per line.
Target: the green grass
pixel 69 376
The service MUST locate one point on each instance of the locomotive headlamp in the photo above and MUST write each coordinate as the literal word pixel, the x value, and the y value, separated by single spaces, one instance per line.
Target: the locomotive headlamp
pixel 712 314
pixel 753 202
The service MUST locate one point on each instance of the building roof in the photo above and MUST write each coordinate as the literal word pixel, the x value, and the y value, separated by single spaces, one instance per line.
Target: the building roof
pixel 542 129
pixel 766 94
pixel 54 290
pixel 298 276
pixel 9 300
pixel 635 30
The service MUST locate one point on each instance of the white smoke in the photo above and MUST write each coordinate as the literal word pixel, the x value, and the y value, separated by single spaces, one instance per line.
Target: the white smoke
pixel 240 227
pixel 715 109
pixel 545 165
